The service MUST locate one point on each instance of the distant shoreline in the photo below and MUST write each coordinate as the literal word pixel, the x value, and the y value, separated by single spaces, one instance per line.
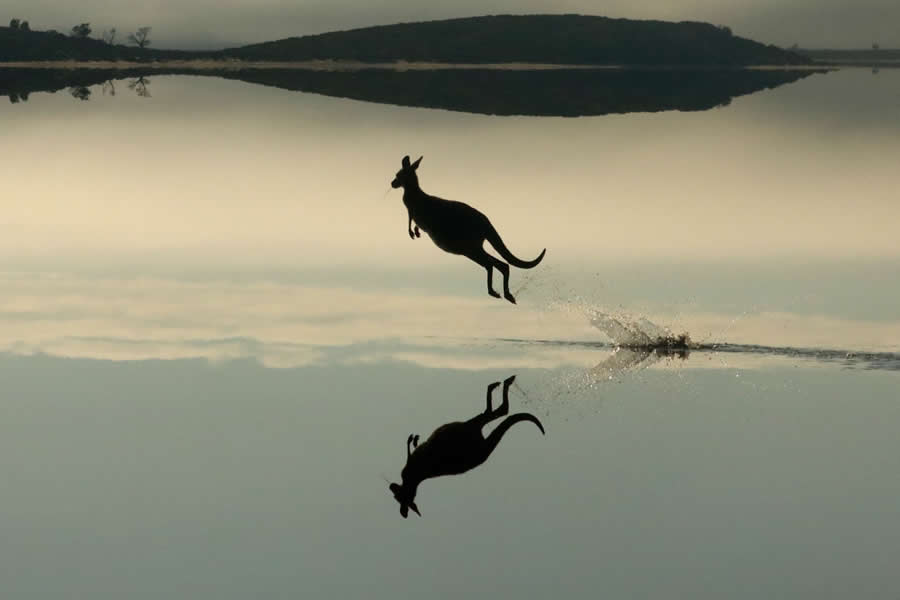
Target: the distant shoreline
pixel 348 65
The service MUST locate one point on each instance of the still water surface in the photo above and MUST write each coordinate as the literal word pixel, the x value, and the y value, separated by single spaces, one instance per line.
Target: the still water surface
pixel 216 336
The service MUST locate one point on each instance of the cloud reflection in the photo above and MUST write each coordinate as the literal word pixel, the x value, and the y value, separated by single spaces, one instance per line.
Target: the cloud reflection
pixel 291 324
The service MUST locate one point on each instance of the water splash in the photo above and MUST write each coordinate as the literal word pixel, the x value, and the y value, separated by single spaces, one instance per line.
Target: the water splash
pixel 640 334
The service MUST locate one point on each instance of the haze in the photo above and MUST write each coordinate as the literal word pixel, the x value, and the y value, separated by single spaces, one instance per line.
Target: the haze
pixel 212 24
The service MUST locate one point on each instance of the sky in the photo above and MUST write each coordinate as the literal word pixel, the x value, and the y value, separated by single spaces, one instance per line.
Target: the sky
pixel 214 24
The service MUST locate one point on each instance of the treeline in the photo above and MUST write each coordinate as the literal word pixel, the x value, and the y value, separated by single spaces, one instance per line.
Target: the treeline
pixel 18 42
pixel 559 39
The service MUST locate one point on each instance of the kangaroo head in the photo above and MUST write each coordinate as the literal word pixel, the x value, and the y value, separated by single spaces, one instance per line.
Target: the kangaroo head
pixel 406 498
pixel 406 176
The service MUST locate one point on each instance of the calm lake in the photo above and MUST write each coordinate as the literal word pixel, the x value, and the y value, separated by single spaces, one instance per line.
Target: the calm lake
pixel 216 335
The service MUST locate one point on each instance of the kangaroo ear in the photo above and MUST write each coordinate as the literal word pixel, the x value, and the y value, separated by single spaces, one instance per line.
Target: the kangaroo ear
pixel 415 165
pixel 405 162
pixel 404 510
pixel 415 508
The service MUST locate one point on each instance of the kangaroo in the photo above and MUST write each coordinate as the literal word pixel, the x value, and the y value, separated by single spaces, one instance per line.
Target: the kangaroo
pixel 454 448
pixel 457 228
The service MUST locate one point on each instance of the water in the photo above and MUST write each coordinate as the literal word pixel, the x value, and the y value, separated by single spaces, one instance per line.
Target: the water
pixel 216 337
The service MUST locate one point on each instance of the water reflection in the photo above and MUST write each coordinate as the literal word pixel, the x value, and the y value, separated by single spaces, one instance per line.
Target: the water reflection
pixel 455 447
pixel 625 358
pixel 139 86
pixel 80 92
pixel 560 92
pixel 567 93
pixel 18 84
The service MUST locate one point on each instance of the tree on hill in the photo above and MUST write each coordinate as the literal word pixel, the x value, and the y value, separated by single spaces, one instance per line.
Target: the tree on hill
pixel 141 37
pixel 24 26
pixel 81 31
pixel 13 23
pixel 109 36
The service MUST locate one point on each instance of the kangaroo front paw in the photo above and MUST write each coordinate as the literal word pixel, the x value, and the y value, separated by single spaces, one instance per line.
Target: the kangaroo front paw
pixel 418 234
pixel 412 235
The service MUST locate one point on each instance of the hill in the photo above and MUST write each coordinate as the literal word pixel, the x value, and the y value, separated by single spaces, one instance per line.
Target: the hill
pixel 559 39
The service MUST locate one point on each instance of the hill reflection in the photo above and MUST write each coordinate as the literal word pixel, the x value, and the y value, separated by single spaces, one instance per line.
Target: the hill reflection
pixel 555 92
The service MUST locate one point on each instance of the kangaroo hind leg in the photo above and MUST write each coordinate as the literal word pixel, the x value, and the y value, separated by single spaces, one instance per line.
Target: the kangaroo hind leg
pixel 504 269
pixel 489 408
pixel 489 413
pixel 489 263
pixel 502 410
pixel 504 406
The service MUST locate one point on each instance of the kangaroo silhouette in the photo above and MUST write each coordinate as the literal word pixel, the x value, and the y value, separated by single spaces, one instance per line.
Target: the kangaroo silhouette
pixel 457 228
pixel 454 448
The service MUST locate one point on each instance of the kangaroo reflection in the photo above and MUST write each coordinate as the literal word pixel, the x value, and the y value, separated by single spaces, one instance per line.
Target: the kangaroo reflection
pixel 455 448
pixel 457 228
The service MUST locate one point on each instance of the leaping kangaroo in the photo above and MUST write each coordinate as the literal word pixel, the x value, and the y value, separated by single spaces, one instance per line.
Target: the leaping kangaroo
pixel 457 228
pixel 454 448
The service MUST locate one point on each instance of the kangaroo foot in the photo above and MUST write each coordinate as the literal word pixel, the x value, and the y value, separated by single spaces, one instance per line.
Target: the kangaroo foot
pixel 493 293
pixel 509 296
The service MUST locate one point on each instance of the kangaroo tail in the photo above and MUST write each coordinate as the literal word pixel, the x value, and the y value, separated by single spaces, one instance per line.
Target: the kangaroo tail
pixel 497 434
pixel 494 238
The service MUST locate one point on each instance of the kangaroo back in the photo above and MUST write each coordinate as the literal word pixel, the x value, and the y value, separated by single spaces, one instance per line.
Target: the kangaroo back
pixel 494 238
pixel 497 434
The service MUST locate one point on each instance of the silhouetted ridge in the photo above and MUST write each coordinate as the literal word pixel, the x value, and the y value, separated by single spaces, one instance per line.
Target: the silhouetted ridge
pixel 559 39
